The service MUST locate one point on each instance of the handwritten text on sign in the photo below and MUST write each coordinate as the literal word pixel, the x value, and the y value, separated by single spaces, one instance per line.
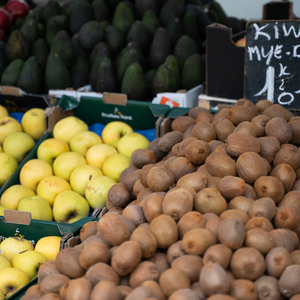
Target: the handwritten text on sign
pixel 272 62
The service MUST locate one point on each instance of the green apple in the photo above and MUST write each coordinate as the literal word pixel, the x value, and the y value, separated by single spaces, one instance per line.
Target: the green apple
pixel 113 131
pixel 7 125
pixel 80 142
pixel 39 208
pixel 8 165
pixel 69 207
pixel 11 280
pixel 115 164
pixel 3 111
pixel 33 171
pixel 97 189
pixel 4 262
pixel 50 148
pixel 18 144
pixel 96 155
pixel 49 246
pixel 11 197
pixel 29 262
pixel 49 187
pixel 65 128
pixel 34 122
pixel 80 177
pixel 131 142
pixel 66 162
pixel 14 244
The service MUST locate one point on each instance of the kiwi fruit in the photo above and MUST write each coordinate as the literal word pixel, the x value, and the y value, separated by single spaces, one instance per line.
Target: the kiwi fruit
pixel 177 202
pixel 260 122
pixel 141 157
pixel 235 214
pixel 223 129
pixel 47 268
pixel 259 222
pixel 219 254
pixel 214 279
pixel 181 123
pixel 197 240
pixel 165 230
pixel 33 292
pixel 160 179
pixel 283 238
pixel 141 196
pixel 267 288
pixel 204 130
pixel 295 256
pixel 220 297
pixel 129 176
pixel 183 294
pixel 221 114
pixel 262 104
pixel 51 296
pixel 269 146
pixel 152 206
pixel 287 216
pixel 214 144
pixel 294 123
pixel 212 223
pixel 277 260
pixel 245 102
pixel 181 146
pixel 197 151
pixel 277 111
pixel 155 287
pixel 135 213
pixel 241 202
pixel 78 289
pixel 106 290
pixel 138 187
pixel 246 127
pixel 250 166
pixel 263 207
pixel 203 169
pixel 180 166
pixel 243 289
pixel 220 164
pixel 190 220
pixel 53 282
pixel 231 186
pixel 195 180
pixel 205 115
pixel 118 195
pixel 241 113
pixel 260 240
pixel 291 198
pixel 169 139
pixel 173 279
pixel 175 250
pixel 141 292
pixel 289 154
pixel 247 263
pixel 210 200
pixel 153 145
pixel 160 260
pixel 289 281
pixel 279 128
pixel 231 233
pixel 212 181
pixel 250 192
pixel 146 240
pixel 87 229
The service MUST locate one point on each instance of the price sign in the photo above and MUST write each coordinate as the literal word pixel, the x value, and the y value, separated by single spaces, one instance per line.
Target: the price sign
pixel 272 62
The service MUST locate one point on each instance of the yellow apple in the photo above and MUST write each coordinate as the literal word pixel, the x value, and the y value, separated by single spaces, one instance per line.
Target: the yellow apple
pixel 7 125
pixel 11 280
pixel 39 208
pixel 14 244
pixel 4 262
pixel 33 171
pixel 50 148
pixel 49 187
pixel 29 262
pixel 96 155
pixel 113 131
pixel 8 165
pixel 80 177
pixel 131 142
pixel 11 197
pixel 69 207
pixel 49 246
pixel 18 144
pixel 115 164
pixel 97 189
pixel 34 122
pixel 2 209
pixel 65 128
pixel 66 162
pixel 80 142
pixel 3 111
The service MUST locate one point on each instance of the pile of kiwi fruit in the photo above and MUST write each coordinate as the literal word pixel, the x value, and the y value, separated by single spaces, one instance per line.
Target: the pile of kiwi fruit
pixel 210 210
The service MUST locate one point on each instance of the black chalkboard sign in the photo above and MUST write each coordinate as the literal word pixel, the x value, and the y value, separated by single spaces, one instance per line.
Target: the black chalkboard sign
pixel 272 62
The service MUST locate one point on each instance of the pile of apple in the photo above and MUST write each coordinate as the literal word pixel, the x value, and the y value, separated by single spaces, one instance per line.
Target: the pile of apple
pixel 73 170
pixel 20 260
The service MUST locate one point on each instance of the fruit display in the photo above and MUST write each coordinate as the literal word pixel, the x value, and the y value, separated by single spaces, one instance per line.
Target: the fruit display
pixel 139 48
pixel 210 210
pixel 73 169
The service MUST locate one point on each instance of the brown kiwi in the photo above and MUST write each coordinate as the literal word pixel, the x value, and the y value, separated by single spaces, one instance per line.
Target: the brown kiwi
pixel 197 240
pixel 245 102
pixel 138 187
pixel 288 287
pixel 259 222
pixel 78 289
pixel 146 240
pixel 231 186
pixel 287 216
pixel 47 268
pixel 212 223
pixel 156 290
pixel 140 292
pixel 212 181
pixel 238 143
pixel 197 151
pixel 241 113
pixel 289 154
pixel 231 233
pixel 67 262
pixel 279 128
pixel 155 148
pixel 164 228
pixel 183 294
pixel 260 122
pixel 87 230
pixel 221 114
pixel 152 206
pixel 205 115
pixel 134 213
pixel 118 195
pixel 175 250
pixel 173 279
pixel 53 282
pixel 129 176
pixel 203 169
pixel 106 290
pixel 235 214
pixel 214 279
pixel 269 186
pixel 260 240
pixel 141 157
pixel 168 140
pixel 160 179
pixel 294 123
pixel 218 253
pixel 291 198
pixel 160 260
pixel 220 297
pixel 141 196
pixel 277 111
pixel 210 200
pixel 267 288
pixel 204 130
pixel 177 202
pixel 51 296
pixel 243 289
pixel 220 164
pixel 251 166
pixel 195 180
pixel 250 192
pixel 214 144
pixel 180 166
pixel 269 146
pixel 263 207
pixel 247 263
pixel 190 220
pixel 241 203
pixel 33 292
pixel 223 129
pixel 283 238
pixel 181 123
pixel 262 104
pixel 246 127
pixel 295 256
pixel 183 144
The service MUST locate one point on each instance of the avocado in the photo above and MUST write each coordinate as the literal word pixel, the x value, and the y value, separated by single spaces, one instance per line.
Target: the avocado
pixel 41 52
pixel 90 34
pixel 123 17
pixel 55 24
pixel 11 72
pixel 30 77
pixel 30 30
pixel 100 10
pixel 141 6
pixel 80 72
pixel 80 15
pixel 16 46
pixel 77 47
pixel 150 20
pixel 216 13
pixel 171 9
pixel 114 39
pixel 175 29
pixel 148 76
pixel 50 9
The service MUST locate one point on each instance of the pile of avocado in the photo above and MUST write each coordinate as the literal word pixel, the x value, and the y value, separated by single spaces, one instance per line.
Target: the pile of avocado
pixel 138 47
